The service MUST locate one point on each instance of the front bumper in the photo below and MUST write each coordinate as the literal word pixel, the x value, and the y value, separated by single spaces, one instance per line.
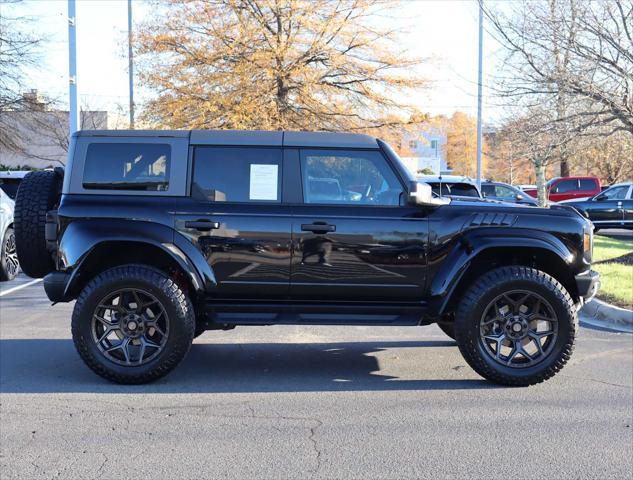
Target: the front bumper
pixel 55 286
pixel 588 284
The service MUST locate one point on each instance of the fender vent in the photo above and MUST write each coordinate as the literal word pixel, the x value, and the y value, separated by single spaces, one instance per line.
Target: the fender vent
pixel 492 219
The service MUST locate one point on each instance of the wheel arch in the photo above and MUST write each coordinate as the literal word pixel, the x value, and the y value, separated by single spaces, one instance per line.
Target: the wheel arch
pixel 467 262
pixel 113 253
pixel 89 247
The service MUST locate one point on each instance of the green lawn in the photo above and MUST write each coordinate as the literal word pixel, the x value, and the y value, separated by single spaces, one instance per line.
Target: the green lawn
pixel 616 276
pixel 605 248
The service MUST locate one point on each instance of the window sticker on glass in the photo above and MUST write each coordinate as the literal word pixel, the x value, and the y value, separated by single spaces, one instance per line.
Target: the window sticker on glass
pixel 263 185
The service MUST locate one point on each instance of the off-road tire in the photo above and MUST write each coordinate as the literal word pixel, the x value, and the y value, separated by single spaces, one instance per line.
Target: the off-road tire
pixel 177 306
pixel 482 292
pixel 39 192
pixel 6 273
pixel 448 328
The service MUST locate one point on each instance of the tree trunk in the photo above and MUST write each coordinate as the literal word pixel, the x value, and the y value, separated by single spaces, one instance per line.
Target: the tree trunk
pixel 564 167
pixel 540 183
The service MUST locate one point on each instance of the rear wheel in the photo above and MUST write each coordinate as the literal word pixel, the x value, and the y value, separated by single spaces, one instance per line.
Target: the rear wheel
pixel 9 265
pixel 39 192
pixel 132 324
pixel 516 326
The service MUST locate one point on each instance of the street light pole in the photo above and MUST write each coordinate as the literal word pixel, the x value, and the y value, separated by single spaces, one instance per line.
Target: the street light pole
pixel 130 61
pixel 479 93
pixel 74 120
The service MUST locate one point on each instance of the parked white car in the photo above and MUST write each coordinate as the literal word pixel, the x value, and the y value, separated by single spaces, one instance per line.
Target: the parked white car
pixel 9 265
pixel 10 181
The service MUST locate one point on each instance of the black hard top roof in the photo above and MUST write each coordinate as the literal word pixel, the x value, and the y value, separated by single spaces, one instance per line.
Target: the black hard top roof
pixel 248 137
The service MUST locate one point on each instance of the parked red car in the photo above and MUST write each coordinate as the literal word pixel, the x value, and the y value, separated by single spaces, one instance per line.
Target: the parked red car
pixel 566 188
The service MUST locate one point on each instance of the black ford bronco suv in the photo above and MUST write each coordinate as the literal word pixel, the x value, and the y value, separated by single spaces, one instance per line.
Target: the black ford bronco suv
pixel 161 235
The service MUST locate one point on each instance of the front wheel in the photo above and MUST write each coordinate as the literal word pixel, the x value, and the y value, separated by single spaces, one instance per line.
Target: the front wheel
pixel 132 324
pixel 516 326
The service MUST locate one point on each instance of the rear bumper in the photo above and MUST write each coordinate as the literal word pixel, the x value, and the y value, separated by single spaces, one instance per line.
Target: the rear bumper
pixel 55 285
pixel 588 284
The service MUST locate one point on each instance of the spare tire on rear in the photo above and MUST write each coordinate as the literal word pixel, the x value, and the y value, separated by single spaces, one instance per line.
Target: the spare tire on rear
pixel 38 193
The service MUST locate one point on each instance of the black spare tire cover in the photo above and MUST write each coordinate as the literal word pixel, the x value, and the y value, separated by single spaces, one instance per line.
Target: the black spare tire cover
pixel 38 193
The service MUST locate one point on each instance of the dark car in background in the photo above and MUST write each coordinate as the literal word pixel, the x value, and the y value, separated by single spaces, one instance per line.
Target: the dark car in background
pixel 506 193
pixel 612 208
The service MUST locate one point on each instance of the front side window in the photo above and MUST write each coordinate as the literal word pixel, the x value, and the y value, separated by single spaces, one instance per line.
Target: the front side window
pixel 237 174
pixel 616 193
pixel 488 190
pixel 504 192
pixel 127 166
pixel 348 178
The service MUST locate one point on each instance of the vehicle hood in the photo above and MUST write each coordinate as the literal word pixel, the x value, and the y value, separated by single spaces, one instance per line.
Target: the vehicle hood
pixel 493 206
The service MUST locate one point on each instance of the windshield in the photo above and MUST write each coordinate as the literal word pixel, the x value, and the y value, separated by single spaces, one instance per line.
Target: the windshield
pixel 549 184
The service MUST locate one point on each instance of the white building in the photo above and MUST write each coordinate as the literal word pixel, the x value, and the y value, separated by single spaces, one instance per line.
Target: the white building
pixel 42 134
pixel 427 150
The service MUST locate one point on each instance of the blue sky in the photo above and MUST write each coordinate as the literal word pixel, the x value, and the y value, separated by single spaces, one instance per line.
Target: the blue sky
pixel 443 30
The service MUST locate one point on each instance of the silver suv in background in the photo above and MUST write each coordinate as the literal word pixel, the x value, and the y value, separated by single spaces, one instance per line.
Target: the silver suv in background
pixel 506 193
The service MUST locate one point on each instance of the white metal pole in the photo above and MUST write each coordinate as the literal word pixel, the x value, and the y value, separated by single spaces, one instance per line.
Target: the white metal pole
pixel 130 61
pixel 479 92
pixel 74 121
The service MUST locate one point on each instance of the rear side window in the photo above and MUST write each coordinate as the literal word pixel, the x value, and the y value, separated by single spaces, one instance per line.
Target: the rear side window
pixel 127 166
pixel 566 186
pixel 234 174
pixel 588 184
pixel 464 190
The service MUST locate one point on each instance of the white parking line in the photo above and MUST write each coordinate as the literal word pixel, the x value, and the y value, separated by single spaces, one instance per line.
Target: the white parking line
pixel 19 287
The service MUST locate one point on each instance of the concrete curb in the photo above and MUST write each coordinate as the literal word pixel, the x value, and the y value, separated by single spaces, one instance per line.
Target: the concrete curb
pixel 603 315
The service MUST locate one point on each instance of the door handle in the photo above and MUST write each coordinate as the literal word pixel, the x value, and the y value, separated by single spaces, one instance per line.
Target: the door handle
pixel 619 204
pixel 318 227
pixel 202 225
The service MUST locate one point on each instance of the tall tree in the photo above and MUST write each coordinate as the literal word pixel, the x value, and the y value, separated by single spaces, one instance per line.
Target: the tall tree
pixel 18 51
pixel 276 64
pixel 573 50
pixel 572 61
pixel 461 144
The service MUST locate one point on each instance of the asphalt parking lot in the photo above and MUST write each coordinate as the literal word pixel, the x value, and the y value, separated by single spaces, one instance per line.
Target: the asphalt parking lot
pixel 305 402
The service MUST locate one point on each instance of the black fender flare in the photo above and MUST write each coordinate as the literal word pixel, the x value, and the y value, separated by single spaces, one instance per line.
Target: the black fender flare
pixel 82 238
pixel 474 243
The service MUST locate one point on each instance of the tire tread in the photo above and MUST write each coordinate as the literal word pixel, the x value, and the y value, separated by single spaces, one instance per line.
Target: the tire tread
pixel 470 301
pixel 179 301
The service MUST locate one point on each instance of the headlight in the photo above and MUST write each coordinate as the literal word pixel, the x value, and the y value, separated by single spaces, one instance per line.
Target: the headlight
pixel 587 244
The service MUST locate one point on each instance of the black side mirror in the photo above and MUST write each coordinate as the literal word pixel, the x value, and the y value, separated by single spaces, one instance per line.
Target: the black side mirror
pixel 601 198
